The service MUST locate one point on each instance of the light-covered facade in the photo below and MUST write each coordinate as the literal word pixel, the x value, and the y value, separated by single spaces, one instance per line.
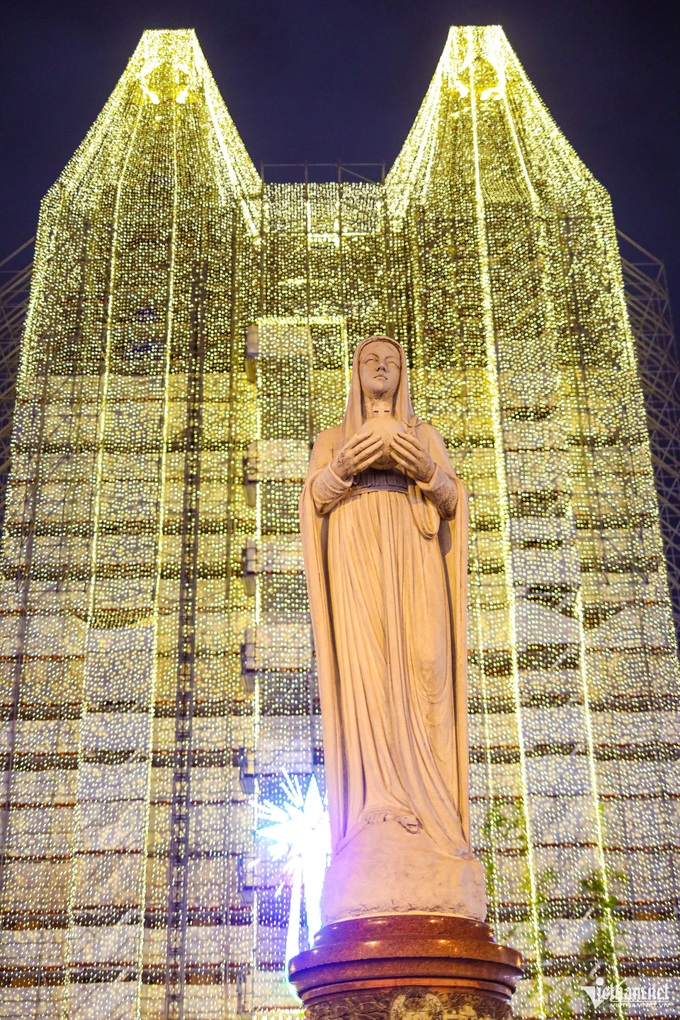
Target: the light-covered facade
pixel 189 333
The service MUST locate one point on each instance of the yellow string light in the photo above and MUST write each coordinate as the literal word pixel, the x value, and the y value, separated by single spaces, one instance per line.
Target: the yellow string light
pixel 162 262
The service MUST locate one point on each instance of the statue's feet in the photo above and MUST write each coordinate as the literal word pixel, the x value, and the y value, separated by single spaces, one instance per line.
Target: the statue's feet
pixel 410 823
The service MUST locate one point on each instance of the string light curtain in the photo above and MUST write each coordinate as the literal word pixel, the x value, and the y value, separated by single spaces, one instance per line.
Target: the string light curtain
pixel 190 332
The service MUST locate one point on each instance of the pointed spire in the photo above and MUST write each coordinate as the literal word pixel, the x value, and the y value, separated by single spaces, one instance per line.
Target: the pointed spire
pixel 166 80
pixel 481 99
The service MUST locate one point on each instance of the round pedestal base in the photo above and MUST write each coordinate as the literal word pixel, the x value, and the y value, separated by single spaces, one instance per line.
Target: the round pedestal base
pixel 406 967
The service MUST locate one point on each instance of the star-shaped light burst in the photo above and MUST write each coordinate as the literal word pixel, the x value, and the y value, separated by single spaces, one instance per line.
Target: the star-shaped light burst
pixel 301 837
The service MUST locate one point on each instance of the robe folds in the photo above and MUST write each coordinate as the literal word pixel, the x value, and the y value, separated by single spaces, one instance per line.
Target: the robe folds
pixel 387 577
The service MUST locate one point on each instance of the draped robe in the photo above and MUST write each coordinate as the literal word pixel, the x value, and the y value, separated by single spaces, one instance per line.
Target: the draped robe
pixel 386 574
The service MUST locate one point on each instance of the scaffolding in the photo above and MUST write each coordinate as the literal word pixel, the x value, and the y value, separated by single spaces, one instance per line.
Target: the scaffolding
pixel 15 282
pixel 649 311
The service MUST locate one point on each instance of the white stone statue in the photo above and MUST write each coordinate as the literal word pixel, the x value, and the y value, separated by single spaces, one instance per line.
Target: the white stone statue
pixel 384 530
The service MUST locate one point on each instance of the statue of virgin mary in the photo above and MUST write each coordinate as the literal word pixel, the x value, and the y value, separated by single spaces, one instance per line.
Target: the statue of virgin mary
pixel 384 531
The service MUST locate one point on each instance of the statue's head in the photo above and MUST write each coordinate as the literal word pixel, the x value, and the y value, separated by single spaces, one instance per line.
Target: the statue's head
pixel 379 373
pixel 379 368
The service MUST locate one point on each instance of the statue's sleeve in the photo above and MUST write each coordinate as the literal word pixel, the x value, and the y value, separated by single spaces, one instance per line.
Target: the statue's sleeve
pixel 442 491
pixel 325 486
pixel 327 489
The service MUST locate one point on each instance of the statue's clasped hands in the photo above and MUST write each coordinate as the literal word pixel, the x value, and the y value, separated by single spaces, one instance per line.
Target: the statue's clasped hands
pixel 357 454
pixel 363 449
pixel 412 456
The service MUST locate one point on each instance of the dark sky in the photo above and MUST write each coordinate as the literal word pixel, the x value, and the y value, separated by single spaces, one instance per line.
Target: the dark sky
pixel 322 81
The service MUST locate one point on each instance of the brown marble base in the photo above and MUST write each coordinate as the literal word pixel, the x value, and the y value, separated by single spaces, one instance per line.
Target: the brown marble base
pixel 406 967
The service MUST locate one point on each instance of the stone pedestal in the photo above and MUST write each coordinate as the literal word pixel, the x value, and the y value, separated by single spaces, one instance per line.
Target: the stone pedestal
pixel 406 967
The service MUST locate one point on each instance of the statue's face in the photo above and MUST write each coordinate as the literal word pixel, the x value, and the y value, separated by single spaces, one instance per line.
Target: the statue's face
pixel 379 370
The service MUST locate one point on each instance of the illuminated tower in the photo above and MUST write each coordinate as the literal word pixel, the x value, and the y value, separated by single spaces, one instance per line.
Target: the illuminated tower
pixel 120 661
pixel 189 333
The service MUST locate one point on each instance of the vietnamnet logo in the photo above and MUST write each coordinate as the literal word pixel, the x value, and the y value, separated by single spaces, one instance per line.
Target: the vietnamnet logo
pixel 601 992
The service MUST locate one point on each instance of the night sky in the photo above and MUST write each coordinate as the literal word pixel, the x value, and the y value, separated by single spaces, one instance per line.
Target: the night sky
pixel 343 80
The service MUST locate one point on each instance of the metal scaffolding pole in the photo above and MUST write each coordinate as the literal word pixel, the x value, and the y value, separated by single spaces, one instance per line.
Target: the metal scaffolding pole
pixel 186 672
pixel 649 311
pixel 15 284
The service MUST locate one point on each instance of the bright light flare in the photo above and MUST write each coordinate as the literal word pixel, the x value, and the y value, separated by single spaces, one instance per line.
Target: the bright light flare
pixel 301 838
